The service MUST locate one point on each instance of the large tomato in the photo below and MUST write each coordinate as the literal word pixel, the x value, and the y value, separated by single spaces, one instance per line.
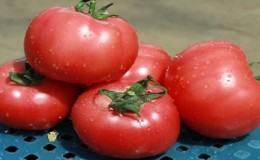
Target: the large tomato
pixel 128 132
pixel 215 90
pixel 66 44
pixel 34 107
pixel 151 60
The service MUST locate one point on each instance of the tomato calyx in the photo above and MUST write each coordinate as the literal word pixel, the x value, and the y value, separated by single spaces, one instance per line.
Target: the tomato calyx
pixel 100 14
pixel 257 77
pixel 29 77
pixel 136 95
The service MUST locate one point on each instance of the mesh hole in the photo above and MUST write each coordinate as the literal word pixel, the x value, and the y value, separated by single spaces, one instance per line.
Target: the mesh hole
pixel 84 146
pixel 11 149
pixel 182 149
pixel 166 158
pixel 69 155
pixel 49 147
pixel 218 145
pixel 29 138
pixel 66 137
pixel 11 131
pixel 204 156
pixel 31 157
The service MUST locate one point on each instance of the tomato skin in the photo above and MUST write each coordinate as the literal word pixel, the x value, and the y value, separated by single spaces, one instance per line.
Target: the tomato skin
pixel 37 107
pixel 215 90
pixel 66 45
pixel 127 135
pixel 151 60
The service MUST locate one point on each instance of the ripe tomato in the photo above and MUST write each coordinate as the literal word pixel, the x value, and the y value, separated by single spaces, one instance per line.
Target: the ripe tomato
pixel 151 60
pixel 214 89
pixel 36 107
pixel 125 135
pixel 63 44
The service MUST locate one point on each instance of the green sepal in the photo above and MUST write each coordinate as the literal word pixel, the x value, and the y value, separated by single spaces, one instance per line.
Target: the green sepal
pixel 132 99
pixel 257 77
pixel 29 77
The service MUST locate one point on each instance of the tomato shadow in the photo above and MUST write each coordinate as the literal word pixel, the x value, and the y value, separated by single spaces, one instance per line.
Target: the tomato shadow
pixel 191 138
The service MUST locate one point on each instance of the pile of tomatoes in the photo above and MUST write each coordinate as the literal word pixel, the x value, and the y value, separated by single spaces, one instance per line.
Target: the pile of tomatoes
pixel 125 98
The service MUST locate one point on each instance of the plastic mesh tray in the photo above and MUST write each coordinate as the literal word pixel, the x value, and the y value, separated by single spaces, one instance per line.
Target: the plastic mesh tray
pixel 18 144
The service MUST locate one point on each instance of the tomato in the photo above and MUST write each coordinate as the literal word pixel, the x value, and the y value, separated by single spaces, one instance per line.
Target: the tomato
pixel 147 132
pixel 215 90
pixel 151 60
pixel 35 107
pixel 64 44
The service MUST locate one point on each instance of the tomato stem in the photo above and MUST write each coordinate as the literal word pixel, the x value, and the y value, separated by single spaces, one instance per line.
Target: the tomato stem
pixel 100 14
pixel 92 7
pixel 29 77
pixel 132 99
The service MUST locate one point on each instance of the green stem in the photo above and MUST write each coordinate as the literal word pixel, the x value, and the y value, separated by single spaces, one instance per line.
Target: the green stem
pixel 29 77
pixel 92 7
pixel 100 14
pixel 132 99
